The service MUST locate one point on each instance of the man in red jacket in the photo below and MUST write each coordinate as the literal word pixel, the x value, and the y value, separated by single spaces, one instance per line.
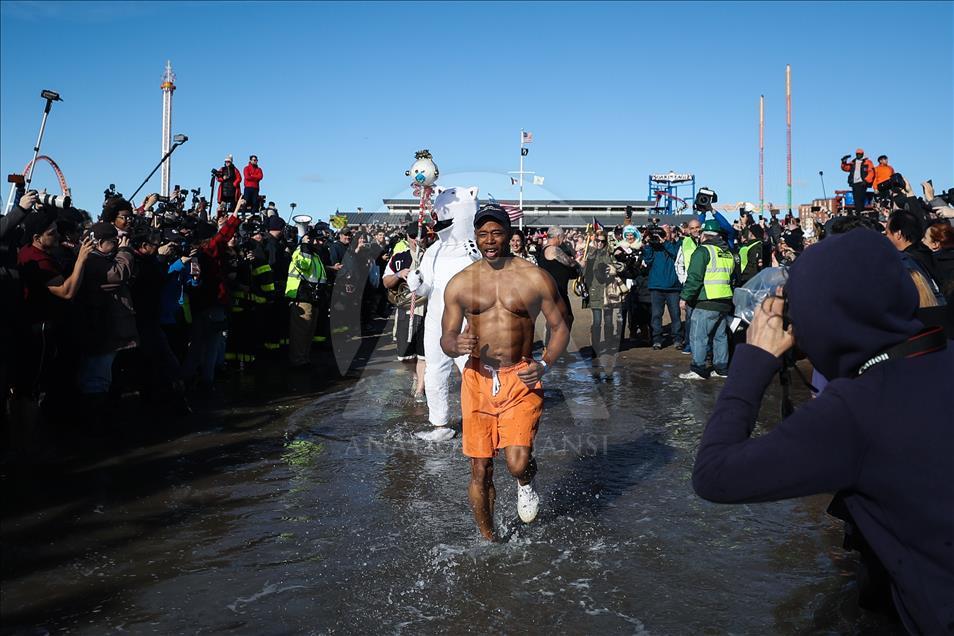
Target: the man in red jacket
pixel 209 300
pixel 253 175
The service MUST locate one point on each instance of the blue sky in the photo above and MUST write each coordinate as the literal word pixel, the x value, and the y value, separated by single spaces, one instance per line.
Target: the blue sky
pixel 335 98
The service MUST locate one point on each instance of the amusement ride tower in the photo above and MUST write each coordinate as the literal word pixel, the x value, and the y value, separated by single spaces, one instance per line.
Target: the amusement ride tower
pixel 168 86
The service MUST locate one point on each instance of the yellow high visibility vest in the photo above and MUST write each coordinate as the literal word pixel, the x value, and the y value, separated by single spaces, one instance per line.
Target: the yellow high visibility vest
pixel 717 283
pixel 303 266
pixel 688 247
pixel 744 254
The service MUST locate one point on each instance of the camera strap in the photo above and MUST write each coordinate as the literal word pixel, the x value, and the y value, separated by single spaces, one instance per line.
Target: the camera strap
pixel 927 341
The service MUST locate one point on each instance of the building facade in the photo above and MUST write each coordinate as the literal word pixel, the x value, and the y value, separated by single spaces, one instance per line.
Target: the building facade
pixel 544 213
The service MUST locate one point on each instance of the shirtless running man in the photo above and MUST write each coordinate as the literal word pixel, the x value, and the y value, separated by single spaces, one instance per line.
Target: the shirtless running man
pixel 501 392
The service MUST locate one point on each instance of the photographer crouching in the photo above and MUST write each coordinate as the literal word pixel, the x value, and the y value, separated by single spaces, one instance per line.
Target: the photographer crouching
pixel 881 432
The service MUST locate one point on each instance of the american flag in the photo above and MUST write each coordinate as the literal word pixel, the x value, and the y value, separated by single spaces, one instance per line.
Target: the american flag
pixel 526 137
pixel 514 212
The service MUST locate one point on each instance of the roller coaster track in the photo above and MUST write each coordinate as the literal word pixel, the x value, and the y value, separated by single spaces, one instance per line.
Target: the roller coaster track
pixel 64 188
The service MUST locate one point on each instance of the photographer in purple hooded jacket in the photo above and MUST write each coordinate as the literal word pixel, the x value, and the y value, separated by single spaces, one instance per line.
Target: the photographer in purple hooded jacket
pixel 881 434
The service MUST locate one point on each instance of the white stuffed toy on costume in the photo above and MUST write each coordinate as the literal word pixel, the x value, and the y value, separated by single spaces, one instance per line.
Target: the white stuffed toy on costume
pixel 454 249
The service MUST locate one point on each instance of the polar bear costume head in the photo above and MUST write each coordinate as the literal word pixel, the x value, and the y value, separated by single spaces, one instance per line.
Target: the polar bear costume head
pixel 459 206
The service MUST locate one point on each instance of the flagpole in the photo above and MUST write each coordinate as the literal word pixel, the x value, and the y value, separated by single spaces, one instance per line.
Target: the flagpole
pixel 761 154
pixel 788 131
pixel 521 178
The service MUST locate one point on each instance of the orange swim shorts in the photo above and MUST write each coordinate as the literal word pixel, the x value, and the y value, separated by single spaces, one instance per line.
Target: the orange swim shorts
pixel 499 410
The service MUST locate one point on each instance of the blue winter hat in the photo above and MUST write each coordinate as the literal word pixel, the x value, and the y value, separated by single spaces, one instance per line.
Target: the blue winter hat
pixel 630 229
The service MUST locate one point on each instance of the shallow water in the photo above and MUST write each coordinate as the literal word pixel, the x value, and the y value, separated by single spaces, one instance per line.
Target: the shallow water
pixel 328 517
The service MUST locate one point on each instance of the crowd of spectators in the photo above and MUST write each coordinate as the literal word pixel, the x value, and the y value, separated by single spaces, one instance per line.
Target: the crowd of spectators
pixel 170 292
pixel 154 301
pixel 634 275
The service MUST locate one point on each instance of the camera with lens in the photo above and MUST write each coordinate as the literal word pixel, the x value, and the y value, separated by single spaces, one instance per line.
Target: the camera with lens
pixel 315 236
pixel 172 234
pixel 704 200
pixel 177 199
pixel 42 199
pixel 892 192
pixel 249 227
pixel 892 185
pixel 53 201
pixel 655 234
pixel 290 234
pixel 165 207
pixel 111 192
pixel 143 234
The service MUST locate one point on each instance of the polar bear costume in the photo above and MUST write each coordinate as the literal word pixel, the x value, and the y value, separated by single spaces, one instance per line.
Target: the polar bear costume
pixel 454 249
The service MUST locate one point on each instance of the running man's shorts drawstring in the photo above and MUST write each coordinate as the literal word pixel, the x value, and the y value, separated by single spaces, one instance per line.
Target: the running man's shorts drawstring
pixel 495 388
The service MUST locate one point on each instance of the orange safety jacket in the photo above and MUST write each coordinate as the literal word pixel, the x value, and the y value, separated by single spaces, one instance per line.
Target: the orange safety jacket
pixel 881 174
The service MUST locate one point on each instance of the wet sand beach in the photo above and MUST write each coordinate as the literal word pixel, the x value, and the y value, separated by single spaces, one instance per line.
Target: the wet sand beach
pixel 297 504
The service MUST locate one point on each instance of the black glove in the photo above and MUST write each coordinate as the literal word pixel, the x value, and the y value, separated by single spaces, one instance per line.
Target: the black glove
pixel 845 158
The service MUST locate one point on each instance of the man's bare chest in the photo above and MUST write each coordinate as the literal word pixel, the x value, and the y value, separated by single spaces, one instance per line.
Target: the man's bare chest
pixel 489 295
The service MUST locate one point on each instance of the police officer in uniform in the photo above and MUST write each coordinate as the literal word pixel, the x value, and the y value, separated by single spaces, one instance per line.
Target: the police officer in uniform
pixel 307 292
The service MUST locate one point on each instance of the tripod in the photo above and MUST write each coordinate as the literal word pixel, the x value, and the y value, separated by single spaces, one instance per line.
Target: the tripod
pixel 50 97
pixel 211 198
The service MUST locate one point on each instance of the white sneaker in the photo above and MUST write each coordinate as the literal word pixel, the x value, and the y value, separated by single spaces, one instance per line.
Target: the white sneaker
pixel 436 434
pixel 691 375
pixel 528 502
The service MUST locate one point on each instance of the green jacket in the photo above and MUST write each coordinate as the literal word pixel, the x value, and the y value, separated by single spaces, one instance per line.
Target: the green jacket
pixel 693 291
pixel 593 275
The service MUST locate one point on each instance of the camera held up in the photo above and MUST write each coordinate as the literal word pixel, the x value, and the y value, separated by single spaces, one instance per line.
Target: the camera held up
pixel 61 202
pixel 704 200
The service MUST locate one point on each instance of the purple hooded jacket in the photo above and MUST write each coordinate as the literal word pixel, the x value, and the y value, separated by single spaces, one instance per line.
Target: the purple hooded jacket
pixel 885 439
